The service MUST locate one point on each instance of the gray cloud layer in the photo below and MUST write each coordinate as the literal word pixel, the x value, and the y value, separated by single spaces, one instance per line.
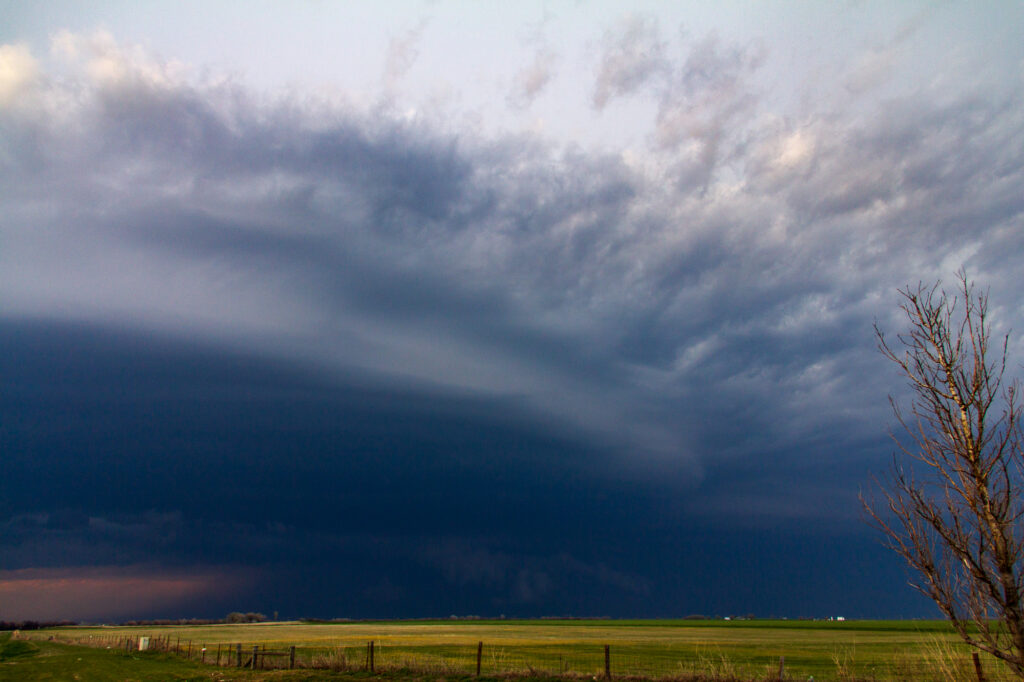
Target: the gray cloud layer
pixel 711 301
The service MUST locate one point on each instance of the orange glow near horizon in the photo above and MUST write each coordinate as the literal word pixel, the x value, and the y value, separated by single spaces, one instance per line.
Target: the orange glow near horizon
pixel 107 592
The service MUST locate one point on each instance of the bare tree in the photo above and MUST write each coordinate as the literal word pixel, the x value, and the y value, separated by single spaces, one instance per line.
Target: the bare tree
pixel 954 503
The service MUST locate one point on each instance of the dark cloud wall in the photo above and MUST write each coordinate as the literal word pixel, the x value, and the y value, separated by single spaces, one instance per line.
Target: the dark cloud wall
pixel 288 337
pixel 344 499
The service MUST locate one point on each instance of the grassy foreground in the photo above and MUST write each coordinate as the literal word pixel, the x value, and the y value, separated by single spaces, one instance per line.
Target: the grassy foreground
pixel 51 660
pixel 719 650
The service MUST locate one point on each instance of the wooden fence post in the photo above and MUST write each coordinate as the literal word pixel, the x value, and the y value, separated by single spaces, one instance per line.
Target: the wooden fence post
pixel 607 661
pixel 370 655
pixel 188 655
pixel 977 666
pixel 238 650
pixel 291 658
pixel 218 655
pixel 255 654
pixel 479 656
pixel 782 668
pixel 204 654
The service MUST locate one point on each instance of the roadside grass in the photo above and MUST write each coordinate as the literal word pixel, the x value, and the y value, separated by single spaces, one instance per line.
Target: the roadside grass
pixel 844 650
pixel 14 649
pixel 51 660
pixel 45 660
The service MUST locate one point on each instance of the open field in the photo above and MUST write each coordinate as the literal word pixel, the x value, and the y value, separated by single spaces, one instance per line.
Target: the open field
pixel 33 661
pixel 882 650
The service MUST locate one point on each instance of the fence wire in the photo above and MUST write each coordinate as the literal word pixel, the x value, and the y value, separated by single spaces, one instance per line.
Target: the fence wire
pixel 670 661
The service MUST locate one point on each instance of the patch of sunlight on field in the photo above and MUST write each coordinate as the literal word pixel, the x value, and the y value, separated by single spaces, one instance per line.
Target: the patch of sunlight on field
pixel 824 650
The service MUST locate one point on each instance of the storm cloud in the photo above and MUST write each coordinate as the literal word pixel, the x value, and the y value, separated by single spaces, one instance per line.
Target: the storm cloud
pixel 262 336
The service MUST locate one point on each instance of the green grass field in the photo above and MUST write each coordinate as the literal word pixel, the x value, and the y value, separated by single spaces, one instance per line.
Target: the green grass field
pixel 878 650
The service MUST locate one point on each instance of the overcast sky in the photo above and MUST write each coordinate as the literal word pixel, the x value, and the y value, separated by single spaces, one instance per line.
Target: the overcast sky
pixel 404 309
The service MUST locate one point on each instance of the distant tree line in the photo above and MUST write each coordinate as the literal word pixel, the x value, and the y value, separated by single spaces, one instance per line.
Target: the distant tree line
pixel 233 617
pixel 33 624
pixel 237 617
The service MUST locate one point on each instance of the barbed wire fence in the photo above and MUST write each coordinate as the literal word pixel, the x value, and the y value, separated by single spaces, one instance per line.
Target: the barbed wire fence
pixel 680 662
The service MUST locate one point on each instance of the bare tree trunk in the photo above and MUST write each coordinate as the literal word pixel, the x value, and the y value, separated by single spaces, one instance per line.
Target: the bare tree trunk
pixel 953 505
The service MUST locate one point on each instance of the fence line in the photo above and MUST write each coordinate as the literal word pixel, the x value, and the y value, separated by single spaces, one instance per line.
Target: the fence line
pixel 557 660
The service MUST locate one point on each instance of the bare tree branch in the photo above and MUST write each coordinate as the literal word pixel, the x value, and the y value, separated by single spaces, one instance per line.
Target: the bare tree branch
pixel 953 504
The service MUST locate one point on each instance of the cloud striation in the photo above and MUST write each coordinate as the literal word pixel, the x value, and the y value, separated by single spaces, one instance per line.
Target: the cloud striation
pixel 486 360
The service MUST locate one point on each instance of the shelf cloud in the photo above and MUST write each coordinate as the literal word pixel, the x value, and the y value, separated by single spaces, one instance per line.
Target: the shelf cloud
pixel 484 358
